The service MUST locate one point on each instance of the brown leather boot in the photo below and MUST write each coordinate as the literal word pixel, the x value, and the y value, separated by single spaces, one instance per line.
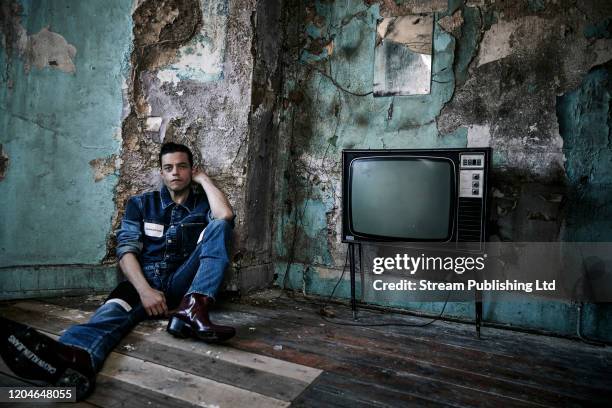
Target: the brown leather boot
pixel 192 320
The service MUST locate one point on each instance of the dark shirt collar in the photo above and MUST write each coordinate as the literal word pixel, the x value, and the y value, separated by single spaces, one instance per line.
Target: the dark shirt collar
pixel 166 200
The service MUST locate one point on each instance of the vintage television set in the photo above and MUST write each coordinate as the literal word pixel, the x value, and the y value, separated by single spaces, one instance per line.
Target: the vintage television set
pixel 434 197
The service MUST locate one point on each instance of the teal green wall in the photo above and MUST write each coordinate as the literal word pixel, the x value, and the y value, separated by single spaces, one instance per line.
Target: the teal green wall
pixel 56 218
pixel 53 280
pixel 52 124
pixel 584 123
pixel 324 115
pixel 327 119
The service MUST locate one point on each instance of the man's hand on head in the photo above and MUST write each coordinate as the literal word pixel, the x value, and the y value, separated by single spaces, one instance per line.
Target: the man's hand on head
pixel 199 176
pixel 154 302
pixel 219 205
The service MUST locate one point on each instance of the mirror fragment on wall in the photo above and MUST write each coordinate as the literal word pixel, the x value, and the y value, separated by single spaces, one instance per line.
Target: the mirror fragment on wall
pixel 402 55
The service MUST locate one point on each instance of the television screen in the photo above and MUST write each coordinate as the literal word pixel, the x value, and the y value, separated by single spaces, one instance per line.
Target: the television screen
pixel 402 197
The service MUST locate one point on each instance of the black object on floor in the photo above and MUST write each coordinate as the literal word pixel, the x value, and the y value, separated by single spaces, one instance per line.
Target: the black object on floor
pixel 34 356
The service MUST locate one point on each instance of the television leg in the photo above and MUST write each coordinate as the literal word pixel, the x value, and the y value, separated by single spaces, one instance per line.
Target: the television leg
pixel 352 268
pixel 478 310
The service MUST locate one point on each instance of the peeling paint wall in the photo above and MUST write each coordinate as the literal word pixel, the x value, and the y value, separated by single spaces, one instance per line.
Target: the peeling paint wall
pixel 189 82
pixel 90 91
pixel 62 64
pixel 267 94
pixel 529 80
pixel 329 106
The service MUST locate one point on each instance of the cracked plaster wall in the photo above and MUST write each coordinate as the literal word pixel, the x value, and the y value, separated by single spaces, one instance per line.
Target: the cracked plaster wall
pixel 507 75
pixel 269 124
pixel 190 82
pixel 91 91
pixel 60 116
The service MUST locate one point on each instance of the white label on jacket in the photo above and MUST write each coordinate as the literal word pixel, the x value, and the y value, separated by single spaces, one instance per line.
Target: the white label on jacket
pixel 153 230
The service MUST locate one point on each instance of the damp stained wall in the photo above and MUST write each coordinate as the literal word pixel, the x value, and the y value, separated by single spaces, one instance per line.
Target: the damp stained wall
pixel 529 79
pixel 190 82
pixel 84 112
pixel 62 64
pixel 267 94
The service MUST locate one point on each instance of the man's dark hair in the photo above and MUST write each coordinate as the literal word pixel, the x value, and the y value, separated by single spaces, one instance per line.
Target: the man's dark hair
pixel 172 147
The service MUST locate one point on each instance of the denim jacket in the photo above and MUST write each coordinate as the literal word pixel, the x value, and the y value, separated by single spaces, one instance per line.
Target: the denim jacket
pixel 158 230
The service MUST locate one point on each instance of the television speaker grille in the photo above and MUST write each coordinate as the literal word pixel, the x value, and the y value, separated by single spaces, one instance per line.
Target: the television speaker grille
pixel 469 220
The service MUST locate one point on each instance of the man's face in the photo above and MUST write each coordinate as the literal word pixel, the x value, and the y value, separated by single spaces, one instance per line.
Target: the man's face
pixel 176 171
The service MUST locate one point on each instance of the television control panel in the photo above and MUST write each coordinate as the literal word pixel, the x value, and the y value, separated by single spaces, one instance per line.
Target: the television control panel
pixel 471 175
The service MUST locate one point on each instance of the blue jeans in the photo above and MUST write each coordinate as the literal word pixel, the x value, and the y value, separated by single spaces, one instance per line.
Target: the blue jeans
pixel 201 273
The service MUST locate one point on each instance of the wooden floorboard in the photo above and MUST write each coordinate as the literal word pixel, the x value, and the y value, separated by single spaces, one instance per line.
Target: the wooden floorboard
pixel 406 384
pixel 154 330
pixel 181 354
pixel 181 385
pixel 435 361
pixel 543 371
pixel 447 366
pixel 348 390
pixel 203 370
pixel 531 350
pixel 109 392
pixel 499 343
pixel 443 364
pixel 268 384
pixel 113 393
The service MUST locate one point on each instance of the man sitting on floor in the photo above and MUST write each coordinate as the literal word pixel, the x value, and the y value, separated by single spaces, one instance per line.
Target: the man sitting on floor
pixel 172 247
